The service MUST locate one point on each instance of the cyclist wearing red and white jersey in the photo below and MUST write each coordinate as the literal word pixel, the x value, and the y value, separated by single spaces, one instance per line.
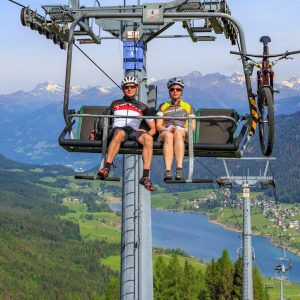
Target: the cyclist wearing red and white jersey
pixel 128 129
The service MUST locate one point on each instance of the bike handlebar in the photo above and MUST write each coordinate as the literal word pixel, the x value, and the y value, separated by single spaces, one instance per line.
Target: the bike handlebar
pixel 285 54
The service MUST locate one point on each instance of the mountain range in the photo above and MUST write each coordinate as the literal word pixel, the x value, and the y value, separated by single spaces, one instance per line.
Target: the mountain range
pixel 32 121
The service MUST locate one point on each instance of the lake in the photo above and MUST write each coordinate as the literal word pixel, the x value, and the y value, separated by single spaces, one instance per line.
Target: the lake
pixel 194 234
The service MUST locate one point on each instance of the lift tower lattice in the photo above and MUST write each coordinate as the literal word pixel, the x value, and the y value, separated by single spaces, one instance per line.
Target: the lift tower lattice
pixel 246 182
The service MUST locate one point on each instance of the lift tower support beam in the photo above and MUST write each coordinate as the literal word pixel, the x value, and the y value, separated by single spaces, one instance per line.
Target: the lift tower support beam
pixel 246 182
pixel 136 248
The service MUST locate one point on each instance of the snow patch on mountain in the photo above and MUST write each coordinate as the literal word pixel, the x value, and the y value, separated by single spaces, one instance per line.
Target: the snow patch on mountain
pixel 293 83
pixel 237 78
pixel 53 91
pixel 78 89
pixel 103 90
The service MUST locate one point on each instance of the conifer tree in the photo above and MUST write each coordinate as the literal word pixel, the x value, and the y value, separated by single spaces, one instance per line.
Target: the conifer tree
pixel 174 280
pixel 225 277
pixel 191 287
pixel 237 279
pixel 200 283
pixel 211 281
pixel 113 289
pixel 259 292
pixel 160 269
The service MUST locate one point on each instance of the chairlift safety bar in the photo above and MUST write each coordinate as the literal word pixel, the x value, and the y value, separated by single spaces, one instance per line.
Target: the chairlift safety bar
pixel 156 117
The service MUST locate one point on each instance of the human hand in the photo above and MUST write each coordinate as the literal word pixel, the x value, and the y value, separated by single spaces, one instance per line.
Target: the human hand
pixel 179 128
pixel 92 135
pixel 171 128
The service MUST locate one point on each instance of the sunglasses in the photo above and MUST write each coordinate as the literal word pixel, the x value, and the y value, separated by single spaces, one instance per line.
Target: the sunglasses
pixel 127 87
pixel 175 90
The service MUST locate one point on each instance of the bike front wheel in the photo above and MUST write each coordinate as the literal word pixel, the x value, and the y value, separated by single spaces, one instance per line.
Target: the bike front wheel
pixel 266 120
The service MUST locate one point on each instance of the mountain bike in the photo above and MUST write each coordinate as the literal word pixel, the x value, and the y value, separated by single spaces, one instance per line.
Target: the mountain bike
pixel 265 91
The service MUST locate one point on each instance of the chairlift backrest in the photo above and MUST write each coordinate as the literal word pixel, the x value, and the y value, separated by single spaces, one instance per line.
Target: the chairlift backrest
pixel 86 124
pixel 214 130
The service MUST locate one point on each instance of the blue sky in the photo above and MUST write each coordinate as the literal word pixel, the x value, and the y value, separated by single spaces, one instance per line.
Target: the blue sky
pixel 28 58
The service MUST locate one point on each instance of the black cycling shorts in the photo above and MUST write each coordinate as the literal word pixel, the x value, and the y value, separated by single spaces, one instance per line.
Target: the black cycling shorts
pixel 130 133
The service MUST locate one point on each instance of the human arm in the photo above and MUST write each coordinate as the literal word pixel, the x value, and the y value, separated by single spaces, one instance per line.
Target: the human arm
pixel 152 130
pixel 160 125
pixel 191 112
pixel 194 122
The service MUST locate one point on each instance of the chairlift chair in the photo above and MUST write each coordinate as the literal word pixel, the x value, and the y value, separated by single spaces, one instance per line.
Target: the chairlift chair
pixel 218 132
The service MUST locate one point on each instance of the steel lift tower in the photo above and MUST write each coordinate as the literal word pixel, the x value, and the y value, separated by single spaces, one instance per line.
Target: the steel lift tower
pixel 135 26
pixel 246 182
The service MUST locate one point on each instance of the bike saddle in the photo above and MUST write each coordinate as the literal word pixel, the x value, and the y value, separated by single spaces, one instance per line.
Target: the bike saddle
pixel 265 40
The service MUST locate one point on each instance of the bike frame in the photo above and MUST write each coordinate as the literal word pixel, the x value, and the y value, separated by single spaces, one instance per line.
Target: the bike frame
pixel 265 76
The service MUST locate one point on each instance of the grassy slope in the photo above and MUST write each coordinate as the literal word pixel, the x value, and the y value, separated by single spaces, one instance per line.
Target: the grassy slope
pixel 168 200
pixel 93 226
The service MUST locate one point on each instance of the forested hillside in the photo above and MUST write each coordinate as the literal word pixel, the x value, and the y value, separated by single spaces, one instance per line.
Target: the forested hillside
pixel 41 256
pixel 221 279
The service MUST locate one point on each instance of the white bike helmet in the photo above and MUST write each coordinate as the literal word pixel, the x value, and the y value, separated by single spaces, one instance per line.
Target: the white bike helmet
pixel 175 80
pixel 129 79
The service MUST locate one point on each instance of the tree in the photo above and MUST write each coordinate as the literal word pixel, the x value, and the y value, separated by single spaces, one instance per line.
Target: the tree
pixel 259 292
pixel 191 283
pixel 113 289
pixel 174 280
pixel 225 277
pixel 211 281
pixel 159 278
pixel 237 279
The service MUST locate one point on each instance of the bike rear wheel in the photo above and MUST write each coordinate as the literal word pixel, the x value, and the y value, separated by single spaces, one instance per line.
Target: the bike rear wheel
pixel 266 120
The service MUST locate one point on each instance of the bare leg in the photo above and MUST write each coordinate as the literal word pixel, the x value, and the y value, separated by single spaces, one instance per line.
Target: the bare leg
pixel 114 145
pixel 168 150
pixel 179 137
pixel 147 141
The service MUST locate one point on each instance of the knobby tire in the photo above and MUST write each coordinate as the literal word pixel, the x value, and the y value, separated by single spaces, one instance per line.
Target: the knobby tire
pixel 266 120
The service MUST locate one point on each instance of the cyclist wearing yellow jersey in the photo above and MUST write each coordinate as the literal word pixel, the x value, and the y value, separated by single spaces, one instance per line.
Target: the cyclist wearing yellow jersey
pixel 173 132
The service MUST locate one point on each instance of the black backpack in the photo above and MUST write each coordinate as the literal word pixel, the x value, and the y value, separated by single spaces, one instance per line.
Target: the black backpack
pixel 99 124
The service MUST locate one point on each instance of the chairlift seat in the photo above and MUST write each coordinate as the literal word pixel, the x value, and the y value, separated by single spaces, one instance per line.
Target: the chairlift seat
pixel 213 137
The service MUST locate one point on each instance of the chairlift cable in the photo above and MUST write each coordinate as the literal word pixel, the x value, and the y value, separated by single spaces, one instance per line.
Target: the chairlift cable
pixel 97 65
pixel 231 206
pixel 207 168
pixel 228 198
pixel 17 3
pixel 261 266
pixel 277 206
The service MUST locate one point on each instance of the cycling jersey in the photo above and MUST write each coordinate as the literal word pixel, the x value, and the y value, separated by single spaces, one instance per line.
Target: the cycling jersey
pixel 181 109
pixel 129 107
